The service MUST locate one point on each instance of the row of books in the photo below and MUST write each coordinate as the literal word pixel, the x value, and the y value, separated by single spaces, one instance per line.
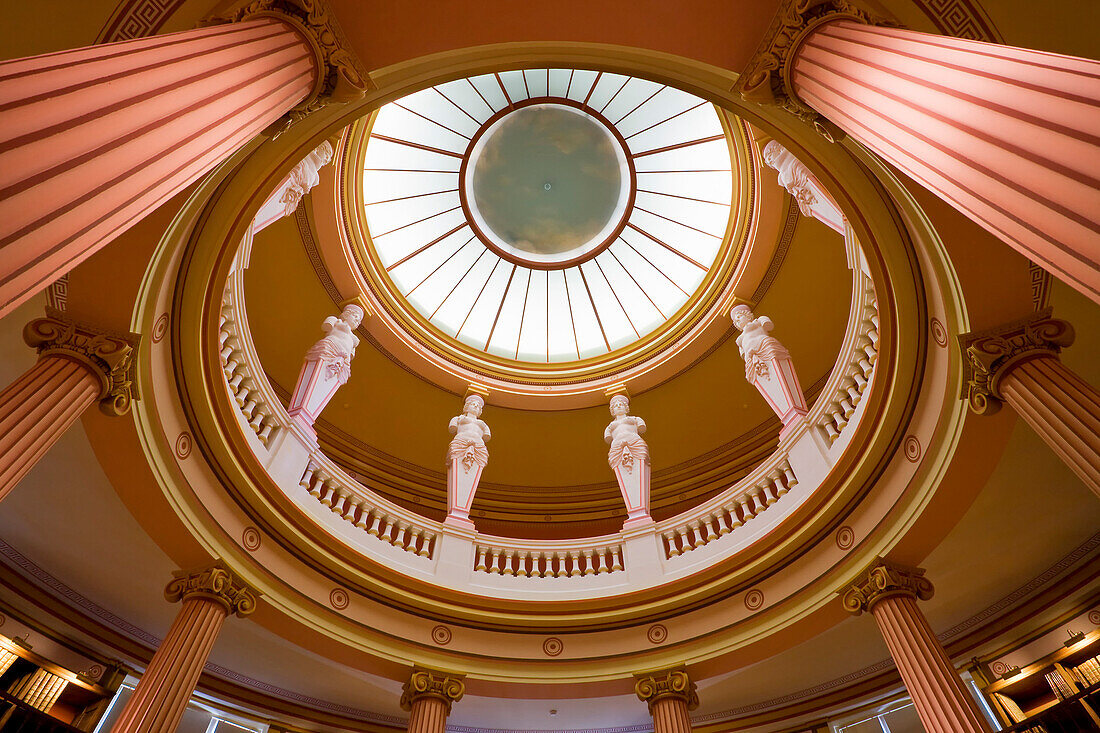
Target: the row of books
pixel 1058 683
pixel 1088 671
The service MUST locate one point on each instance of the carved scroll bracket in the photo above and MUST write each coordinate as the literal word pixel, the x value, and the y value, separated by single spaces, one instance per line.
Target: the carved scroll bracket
pixel 216 583
pixel 423 683
pixel 883 580
pixel 671 683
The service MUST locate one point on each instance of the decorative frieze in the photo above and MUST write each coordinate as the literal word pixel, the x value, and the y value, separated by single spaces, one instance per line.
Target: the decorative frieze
pixel 993 353
pixel 652 687
pixel 110 356
pixel 883 580
pixel 426 683
pixel 767 78
pixel 215 583
pixel 341 77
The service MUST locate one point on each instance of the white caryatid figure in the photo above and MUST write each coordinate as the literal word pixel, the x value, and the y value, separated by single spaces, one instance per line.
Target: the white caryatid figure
pixel 467 456
pixel 300 181
pixel 768 365
pixel 813 200
pixel 628 457
pixel 327 366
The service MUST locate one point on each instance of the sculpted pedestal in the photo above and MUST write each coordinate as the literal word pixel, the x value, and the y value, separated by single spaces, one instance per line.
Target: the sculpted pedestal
pixel 467 456
pixel 628 457
pixel 327 367
pixel 768 365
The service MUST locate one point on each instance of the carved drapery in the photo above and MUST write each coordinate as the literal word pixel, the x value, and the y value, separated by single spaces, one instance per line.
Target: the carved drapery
pixel 108 355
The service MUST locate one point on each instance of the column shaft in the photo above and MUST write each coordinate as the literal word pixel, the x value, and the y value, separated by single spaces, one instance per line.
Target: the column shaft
pixel 160 697
pixel 1062 408
pixel 428 715
pixel 1008 136
pixel 941 700
pixel 37 408
pixel 93 139
pixel 670 715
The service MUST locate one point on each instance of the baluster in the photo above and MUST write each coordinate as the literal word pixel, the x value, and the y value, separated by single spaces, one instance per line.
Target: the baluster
pixel 575 570
pixel 589 564
pixel 479 564
pixel 265 433
pixel 616 558
pixel 561 571
pixel 723 522
pixel 601 561
pixel 494 563
pixel 710 523
pixel 672 550
pixel 426 545
pixel 521 564
pixel 398 538
pixel 415 535
pixel 376 523
pixel 509 562
pixel 685 543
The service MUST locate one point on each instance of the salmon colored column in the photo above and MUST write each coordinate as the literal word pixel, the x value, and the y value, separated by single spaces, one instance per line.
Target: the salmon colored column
pixel 93 139
pixel 209 596
pixel 670 695
pixel 1008 136
pixel 428 696
pixel 890 593
pixel 77 366
pixel 1018 364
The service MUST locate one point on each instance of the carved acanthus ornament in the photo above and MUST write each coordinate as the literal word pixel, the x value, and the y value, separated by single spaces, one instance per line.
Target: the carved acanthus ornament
pixel 767 78
pixel 337 348
pixel 624 434
pixel 992 354
pixel 423 683
pixel 215 583
pixel 884 580
pixel 341 77
pixel 471 433
pixel 756 344
pixel 110 356
pixel 674 683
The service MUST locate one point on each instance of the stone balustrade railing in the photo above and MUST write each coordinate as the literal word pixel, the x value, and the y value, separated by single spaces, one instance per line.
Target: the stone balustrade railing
pixel 365 510
pixel 644 556
pixel 731 509
pixel 548 559
pixel 855 366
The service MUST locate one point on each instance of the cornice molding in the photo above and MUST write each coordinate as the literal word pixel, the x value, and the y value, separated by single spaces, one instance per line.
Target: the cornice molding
pixel 885 580
pixel 107 354
pixel 993 353
pixel 76 605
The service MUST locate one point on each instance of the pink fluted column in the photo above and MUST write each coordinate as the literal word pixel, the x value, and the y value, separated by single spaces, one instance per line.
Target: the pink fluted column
pixel 1008 136
pixel 670 695
pixel 159 699
pixel 428 696
pixel 76 367
pixel 890 593
pixel 93 139
pixel 1018 364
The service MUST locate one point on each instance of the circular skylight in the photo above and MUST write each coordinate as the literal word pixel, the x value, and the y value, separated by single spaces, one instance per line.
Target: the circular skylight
pixel 547 215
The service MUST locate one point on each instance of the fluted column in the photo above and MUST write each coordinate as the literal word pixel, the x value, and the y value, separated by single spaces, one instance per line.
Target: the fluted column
pixel 77 366
pixel 670 694
pixel 1008 136
pixel 890 593
pixel 428 696
pixel 1018 364
pixel 209 596
pixel 93 139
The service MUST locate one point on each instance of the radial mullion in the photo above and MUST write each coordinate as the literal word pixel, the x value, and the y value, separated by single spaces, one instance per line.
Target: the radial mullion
pixel 678 146
pixel 410 196
pixel 492 110
pixel 655 268
pixel 429 119
pixel 595 81
pixel 479 294
pixel 608 103
pixel 570 84
pixel 611 287
pixel 640 104
pixel 418 146
pixel 503 300
pixel 523 313
pixel 441 264
pixel 449 294
pixel 572 321
pixel 418 221
pixel 666 245
pixel 500 82
pixel 674 221
pixel 595 310
pixel 456 106
pixel 526 87
pixel 427 246
pixel 667 119
pixel 631 276
pixel 686 198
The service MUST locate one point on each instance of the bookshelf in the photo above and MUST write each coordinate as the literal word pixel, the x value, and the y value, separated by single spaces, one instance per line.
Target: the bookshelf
pixel 1058 690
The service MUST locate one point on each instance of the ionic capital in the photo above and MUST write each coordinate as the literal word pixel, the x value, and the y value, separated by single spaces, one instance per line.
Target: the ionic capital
pixel 883 580
pixel 424 683
pixel 670 683
pixel 767 78
pixel 109 355
pixel 341 77
pixel 215 583
pixel 993 353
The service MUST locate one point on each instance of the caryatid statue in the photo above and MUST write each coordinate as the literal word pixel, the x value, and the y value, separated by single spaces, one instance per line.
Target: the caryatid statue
pixel 629 459
pixel 768 365
pixel 327 366
pixel 467 456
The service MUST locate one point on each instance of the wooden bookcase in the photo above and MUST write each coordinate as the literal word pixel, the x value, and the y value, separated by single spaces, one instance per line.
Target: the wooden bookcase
pixel 1051 691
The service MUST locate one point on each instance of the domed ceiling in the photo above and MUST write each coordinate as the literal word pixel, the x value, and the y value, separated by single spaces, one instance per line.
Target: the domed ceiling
pixel 550 219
